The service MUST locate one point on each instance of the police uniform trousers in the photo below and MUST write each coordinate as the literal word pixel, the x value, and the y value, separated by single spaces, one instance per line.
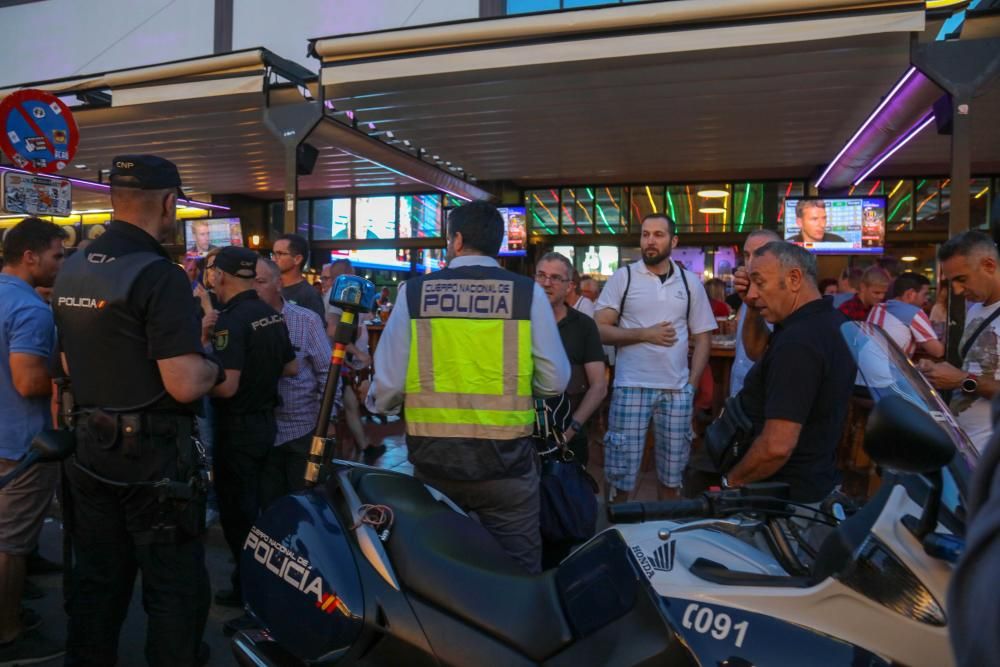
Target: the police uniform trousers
pixel 117 531
pixel 242 444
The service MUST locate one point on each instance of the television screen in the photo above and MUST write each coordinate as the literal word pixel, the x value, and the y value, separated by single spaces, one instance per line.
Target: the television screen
pixel 515 232
pixel 203 234
pixel 836 225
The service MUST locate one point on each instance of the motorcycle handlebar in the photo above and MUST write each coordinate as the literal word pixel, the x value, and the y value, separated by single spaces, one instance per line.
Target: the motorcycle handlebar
pixel 663 509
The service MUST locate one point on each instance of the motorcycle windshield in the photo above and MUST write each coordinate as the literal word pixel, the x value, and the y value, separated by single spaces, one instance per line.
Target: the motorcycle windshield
pixel 887 371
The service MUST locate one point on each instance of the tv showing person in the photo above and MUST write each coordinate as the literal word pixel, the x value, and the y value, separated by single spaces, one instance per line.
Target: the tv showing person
pixel 810 218
pixel 202 241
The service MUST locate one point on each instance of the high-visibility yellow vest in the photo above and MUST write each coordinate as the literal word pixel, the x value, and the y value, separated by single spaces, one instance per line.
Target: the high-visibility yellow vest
pixel 470 366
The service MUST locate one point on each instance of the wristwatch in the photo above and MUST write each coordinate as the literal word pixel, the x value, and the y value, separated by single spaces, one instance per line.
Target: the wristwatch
pixel 970 384
pixel 576 426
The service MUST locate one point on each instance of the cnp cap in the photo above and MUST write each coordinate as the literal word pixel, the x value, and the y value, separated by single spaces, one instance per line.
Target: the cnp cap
pixel 236 261
pixel 145 172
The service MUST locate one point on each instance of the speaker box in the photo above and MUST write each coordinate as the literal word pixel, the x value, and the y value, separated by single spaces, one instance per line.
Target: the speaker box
pixel 943 110
pixel 305 159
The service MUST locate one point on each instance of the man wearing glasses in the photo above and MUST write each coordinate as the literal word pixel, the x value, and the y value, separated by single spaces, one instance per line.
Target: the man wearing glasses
pixel 290 254
pixel 588 384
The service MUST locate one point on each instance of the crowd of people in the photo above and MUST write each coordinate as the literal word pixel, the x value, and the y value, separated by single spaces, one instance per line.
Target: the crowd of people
pixel 239 358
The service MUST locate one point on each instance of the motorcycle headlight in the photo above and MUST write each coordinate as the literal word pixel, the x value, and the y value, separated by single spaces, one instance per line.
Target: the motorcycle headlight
pixel 878 574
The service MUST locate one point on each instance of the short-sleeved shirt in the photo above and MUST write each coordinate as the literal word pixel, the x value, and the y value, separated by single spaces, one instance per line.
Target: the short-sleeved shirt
pixel 650 301
pixel 582 342
pixel 251 337
pixel 305 295
pixel 906 324
pixel 26 327
pixel 805 376
pixel 972 411
pixel 585 306
pixel 162 301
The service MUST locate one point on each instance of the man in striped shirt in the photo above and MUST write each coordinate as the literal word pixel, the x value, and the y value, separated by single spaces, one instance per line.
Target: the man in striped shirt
pixel 300 393
pixel 903 318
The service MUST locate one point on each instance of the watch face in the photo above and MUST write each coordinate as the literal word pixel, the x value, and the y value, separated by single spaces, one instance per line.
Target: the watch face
pixel 969 385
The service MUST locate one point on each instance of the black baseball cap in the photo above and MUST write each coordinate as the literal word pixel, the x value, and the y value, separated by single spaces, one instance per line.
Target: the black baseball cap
pixel 237 261
pixel 145 172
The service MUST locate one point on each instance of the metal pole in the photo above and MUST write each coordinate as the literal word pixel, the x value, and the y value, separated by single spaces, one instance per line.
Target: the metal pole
pixel 961 164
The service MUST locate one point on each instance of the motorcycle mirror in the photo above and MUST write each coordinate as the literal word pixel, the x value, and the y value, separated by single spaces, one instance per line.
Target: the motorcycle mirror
pixel 53 445
pixel 902 437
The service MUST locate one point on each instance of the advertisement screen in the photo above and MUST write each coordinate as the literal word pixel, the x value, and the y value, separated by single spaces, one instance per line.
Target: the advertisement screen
pixel 836 225
pixel 515 237
pixel 203 234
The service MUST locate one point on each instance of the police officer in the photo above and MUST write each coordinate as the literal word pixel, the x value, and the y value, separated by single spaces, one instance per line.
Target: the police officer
pixel 251 340
pixel 467 346
pixel 131 345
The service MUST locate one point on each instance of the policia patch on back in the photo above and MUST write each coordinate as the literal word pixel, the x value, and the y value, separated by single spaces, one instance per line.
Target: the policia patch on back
pixel 220 339
pixel 487 299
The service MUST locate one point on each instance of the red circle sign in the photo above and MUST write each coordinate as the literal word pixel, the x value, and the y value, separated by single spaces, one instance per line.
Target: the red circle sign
pixel 37 131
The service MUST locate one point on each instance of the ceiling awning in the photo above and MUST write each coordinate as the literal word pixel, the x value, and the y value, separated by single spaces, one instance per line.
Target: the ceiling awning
pixel 663 90
pixel 207 116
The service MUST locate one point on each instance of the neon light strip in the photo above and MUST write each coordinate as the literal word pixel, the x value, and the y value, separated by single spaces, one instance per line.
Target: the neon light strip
pixel 104 187
pixel 901 202
pixel 895 189
pixel 687 189
pixel 874 188
pixel 670 201
pixel 982 192
pixel 899 144
pixel 611 197
pixel 851 191
pixel 542 204
pixel 929 197
pixel 541 222
pixel 651 202
pixel 743 212
pixel 600 211
pixel 781 206
pixel 868 121
pixel 565 210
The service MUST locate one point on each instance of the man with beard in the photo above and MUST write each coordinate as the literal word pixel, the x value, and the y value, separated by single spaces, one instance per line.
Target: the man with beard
pixel 649 310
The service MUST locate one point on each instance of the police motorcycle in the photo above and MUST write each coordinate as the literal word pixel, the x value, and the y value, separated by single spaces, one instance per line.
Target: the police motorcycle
pixel 371 567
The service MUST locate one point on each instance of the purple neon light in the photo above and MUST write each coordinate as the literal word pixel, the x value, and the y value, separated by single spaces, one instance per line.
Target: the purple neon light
pixel 885 101
pixel 914 131
pixel 104 187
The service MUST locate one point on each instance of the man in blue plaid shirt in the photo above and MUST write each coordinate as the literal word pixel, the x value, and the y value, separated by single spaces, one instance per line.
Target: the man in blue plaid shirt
pixel 300 394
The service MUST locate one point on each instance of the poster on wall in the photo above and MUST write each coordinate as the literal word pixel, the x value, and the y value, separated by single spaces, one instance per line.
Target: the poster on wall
pixel 35 195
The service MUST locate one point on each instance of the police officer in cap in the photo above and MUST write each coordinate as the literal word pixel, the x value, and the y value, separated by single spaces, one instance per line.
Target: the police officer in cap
pixel 252 342
pixel 132 348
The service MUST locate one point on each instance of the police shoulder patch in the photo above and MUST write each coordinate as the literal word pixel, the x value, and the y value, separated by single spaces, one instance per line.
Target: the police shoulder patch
pixel 220 339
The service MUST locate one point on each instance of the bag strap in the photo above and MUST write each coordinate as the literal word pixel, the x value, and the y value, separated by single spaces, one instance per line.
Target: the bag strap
pixel 628 283
pixel 975 334
pixel 687 290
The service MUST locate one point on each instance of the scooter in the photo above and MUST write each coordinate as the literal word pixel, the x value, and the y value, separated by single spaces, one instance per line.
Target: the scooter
pixel 371 567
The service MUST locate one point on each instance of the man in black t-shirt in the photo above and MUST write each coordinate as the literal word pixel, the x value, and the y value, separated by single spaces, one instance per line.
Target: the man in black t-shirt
pixel 252 342
pixel 797 394
pixel 588 384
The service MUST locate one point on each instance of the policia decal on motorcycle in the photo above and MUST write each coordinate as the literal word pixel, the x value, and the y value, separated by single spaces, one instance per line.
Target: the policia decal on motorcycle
pixel 293 569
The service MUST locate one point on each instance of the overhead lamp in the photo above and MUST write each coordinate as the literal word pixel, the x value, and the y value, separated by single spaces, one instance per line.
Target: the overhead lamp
pixel 712 209
pixel 255 240
pixel 908 258
pixel 713 194
pixel 80 166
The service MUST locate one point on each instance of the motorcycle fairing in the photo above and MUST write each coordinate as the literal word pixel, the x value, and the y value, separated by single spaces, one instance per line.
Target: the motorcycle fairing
pixel 297 557
pixel 720 635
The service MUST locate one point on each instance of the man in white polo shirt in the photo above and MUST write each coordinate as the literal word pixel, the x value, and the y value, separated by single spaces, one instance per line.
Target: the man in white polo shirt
pixel 649 310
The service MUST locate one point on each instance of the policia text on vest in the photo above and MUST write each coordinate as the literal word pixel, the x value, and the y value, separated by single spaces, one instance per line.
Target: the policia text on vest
pixel 488 299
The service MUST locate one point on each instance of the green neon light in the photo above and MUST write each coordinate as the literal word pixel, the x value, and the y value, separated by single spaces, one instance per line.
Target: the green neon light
pixel 901 202
pixel 547 229
pixel 743 213
pixel 670 201
pixel 600 211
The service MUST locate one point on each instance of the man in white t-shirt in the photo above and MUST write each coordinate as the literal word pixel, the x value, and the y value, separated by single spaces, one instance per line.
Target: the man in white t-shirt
pixel 970 262
pixel 649 310
pixel 903 319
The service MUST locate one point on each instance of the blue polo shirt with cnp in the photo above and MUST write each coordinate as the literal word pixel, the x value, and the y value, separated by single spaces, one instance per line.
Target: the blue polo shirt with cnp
pixel 26 326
